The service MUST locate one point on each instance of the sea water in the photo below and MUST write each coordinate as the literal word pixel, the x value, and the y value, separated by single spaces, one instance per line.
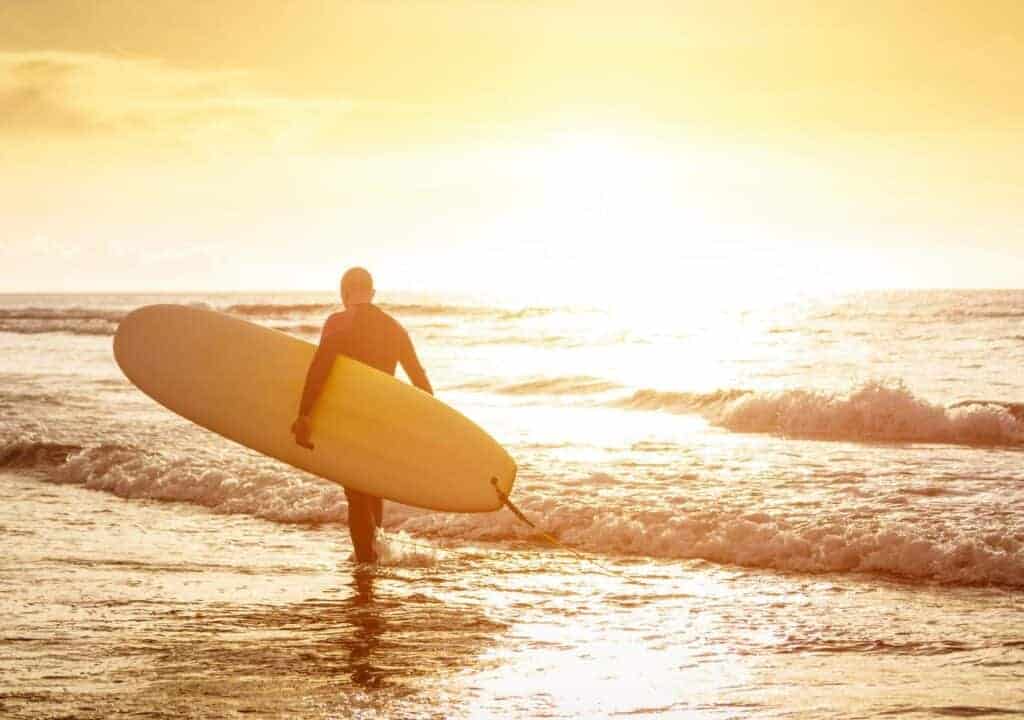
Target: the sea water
pixel 810 508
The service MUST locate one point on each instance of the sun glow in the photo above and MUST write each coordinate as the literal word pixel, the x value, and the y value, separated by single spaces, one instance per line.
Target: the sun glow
pixel 681 149
pixel 613 219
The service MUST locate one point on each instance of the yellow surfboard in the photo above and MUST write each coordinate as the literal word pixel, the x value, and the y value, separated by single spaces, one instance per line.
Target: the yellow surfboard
pixel 371 431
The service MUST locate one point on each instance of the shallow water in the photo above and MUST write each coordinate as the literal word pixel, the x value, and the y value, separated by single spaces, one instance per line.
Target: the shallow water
pixel 780 515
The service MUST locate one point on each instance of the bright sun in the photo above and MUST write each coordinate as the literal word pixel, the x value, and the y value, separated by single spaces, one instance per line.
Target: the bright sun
pixel 617 220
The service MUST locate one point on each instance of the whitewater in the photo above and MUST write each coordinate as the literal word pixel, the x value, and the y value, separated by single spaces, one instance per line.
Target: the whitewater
pixel 804 508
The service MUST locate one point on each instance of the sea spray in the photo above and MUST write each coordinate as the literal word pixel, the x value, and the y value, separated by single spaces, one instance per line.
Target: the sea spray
pixel 399 549
pixel 876 411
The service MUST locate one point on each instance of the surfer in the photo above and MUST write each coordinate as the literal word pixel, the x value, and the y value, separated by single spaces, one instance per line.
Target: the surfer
pixel 365 333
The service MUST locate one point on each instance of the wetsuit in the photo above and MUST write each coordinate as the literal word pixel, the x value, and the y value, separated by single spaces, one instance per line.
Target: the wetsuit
pixel 365 333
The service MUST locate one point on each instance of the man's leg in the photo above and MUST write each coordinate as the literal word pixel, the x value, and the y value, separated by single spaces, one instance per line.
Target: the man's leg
pixel 377 505
pixel 362 524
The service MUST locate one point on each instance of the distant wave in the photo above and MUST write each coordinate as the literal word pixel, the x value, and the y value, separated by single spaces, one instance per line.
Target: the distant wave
pixel 70 313
pixel 1001 310
pixel 74 320
pixel 68 327
pixel 534 339
pixel 307 318
pixel 300 329
pixel 983 314
pixel 568 385
pixel 874 412
pixel 744 537
pixel 680 402
pixel 465 311
pixel 271 310
pixel 276 310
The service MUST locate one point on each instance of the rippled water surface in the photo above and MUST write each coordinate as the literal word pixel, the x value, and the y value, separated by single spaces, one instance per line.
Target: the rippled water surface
pixel 805 510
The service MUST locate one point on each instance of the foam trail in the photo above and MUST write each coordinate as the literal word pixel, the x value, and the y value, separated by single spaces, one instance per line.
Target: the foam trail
pixel 398 549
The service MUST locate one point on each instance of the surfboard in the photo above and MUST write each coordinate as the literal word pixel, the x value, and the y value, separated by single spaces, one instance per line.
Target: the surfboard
pixel 371 431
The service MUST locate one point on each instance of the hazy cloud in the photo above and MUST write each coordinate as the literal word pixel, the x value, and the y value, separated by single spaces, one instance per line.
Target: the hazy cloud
pixel 31 96
pixel 73 94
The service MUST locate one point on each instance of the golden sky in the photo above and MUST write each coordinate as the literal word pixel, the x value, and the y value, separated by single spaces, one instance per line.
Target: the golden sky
pixel 525 148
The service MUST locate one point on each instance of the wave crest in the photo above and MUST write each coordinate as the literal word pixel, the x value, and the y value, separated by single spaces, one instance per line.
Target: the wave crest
pixel 34 454
pixel 758 540
pixel 877 411
pixel 273 494
pixel 722 535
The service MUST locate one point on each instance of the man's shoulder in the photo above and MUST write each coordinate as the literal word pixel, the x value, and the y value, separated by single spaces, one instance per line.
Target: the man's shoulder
pixel 336 322
pixel 388 318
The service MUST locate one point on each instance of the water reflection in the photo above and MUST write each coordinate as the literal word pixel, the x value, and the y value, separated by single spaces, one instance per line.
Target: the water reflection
pixel 367 627
pixel 378 635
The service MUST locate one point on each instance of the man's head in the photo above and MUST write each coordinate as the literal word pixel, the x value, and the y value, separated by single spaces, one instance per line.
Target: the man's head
pixel 356 287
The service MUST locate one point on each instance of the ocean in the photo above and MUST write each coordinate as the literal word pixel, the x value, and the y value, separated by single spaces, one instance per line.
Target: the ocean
pixel 807 508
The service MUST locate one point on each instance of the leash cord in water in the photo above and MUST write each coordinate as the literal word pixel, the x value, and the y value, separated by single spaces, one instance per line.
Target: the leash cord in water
pixel 505 501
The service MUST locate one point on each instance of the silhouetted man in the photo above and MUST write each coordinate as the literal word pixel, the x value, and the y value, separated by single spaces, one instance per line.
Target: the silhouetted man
pixel 365 333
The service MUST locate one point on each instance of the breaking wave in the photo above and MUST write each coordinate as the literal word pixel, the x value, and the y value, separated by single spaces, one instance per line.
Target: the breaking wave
pixel 35 454
pixel 271 492
pixel 760 540
pixel 735 536
pixel 874 412
pixel 877 411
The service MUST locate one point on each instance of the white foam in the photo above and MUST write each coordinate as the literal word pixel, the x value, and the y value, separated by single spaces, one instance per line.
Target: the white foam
pixel 914 549
pixel 398 549
pixel 272 494
pixel 911 547
pixel 875 411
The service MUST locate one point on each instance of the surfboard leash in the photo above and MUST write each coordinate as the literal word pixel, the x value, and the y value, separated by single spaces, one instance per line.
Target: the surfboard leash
pixel 505 501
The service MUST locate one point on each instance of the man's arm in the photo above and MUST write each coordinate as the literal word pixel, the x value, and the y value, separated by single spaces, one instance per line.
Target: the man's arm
pixel 316 376
pixel 411 364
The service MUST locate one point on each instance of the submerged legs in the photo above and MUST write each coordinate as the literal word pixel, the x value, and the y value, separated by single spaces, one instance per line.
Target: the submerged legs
pixel 365 515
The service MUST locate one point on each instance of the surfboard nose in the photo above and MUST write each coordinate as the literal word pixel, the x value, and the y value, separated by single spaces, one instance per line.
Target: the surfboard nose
pixel 126 338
